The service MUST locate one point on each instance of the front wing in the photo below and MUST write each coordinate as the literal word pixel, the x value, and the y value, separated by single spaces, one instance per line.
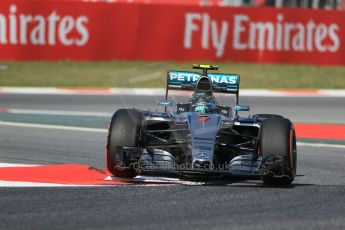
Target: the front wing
pixel 160 162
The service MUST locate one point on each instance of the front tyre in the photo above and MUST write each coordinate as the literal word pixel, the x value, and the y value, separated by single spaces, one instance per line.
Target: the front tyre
pixel 124 131
pixel 278 141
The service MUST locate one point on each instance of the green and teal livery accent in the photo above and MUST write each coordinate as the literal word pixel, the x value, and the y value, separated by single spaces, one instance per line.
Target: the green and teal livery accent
pixel 223 83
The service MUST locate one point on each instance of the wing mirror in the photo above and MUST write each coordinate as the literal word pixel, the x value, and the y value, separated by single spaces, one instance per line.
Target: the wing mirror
pixel 165 103
pixel 241 107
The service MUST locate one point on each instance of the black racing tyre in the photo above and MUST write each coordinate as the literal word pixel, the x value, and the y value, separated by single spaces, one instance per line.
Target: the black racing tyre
pixel 268 116
pixel 124 130
pixel 278 138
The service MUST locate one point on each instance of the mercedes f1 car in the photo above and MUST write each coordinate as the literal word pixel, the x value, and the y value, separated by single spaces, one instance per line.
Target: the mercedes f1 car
pixel 201 138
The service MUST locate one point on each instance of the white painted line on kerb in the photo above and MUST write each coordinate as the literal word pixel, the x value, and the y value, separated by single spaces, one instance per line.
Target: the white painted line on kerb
pixel 29 90
pixel 9 165
pixel 27 184
pixel 15 184
pixel 60 127
pixel 82 129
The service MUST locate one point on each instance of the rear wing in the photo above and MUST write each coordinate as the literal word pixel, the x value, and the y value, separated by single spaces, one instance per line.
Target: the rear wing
pixel 221 83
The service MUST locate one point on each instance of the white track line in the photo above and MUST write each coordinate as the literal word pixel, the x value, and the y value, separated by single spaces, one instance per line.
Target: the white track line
pixel 321 145
pixel 60 127
pixel 57 112
pixel 29 90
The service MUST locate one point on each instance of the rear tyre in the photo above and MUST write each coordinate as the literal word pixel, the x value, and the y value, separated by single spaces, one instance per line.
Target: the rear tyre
pixel 124 131
pixel 278 140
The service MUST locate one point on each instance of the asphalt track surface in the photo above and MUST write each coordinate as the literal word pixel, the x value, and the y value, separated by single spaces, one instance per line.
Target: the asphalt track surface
pixel 301 109
pixel 315 201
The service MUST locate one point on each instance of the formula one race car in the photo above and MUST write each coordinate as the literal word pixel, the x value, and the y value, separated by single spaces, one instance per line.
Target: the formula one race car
pixel 201 138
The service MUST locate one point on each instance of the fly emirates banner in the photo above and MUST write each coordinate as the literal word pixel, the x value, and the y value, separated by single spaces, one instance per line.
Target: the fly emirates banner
pixel 76 30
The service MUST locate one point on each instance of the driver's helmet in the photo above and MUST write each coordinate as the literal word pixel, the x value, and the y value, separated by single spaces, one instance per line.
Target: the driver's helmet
pixel 202 103
pixel 201 109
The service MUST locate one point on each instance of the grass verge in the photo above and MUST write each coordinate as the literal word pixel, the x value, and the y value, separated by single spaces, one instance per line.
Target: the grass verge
pixel 152 74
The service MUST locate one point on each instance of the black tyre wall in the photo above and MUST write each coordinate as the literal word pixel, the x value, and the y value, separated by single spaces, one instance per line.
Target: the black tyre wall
pixel 124 130
pixel 277 138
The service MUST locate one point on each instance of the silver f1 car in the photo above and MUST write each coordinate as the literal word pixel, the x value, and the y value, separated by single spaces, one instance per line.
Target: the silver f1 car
pixel 201 138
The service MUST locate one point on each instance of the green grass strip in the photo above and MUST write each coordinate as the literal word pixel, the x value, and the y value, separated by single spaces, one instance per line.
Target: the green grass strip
pixel 153 74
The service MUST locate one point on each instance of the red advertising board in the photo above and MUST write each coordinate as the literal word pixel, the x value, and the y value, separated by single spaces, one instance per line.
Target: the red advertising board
pixel 55 30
